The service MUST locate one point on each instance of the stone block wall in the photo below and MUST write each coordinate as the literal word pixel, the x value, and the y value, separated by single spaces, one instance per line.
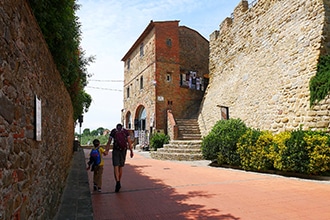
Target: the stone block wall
pixel 32 172
pixel 261 62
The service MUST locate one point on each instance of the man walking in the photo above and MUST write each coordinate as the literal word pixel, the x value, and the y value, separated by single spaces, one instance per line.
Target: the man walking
pixel 121 143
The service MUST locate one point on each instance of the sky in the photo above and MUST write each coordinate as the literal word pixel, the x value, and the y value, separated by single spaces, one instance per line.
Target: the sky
pixel 110 27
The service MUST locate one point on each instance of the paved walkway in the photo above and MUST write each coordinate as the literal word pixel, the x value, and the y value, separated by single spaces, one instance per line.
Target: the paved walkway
pixel 76 199
pixel 155 189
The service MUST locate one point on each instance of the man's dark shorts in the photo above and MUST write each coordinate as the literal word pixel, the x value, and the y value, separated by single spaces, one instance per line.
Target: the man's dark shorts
pixel 118 157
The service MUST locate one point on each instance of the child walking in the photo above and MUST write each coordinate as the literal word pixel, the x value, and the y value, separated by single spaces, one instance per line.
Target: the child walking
pixel 96 163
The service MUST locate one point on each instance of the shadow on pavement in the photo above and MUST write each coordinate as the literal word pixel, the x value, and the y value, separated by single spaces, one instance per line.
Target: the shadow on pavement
pixel 143 197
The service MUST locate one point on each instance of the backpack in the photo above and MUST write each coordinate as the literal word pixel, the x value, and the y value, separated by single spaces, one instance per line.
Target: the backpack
pixel 121 139
pixel 95 157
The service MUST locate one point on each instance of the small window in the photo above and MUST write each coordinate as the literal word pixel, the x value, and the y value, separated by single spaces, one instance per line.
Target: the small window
pixel 224 112
pixel 141 50
pixel 169 42
pixel 128 63
pixel 168 77
pixel 127 91
pixel 141 82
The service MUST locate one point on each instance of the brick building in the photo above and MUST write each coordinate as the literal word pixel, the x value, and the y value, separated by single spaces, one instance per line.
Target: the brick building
pixel 165 69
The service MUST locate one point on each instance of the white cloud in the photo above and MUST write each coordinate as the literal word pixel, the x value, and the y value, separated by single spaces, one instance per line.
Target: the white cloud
pixel 109 28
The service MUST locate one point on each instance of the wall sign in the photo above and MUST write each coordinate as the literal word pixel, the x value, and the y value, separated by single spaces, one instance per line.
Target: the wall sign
pixel 38 119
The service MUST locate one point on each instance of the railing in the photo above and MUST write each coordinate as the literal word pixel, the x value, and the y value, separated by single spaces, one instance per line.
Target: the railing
pixel 143 140
pixel 172 128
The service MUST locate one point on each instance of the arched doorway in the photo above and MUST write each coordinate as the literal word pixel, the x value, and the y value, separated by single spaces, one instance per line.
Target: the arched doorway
pixel 140 127
pixel 142 119
pixel 128 120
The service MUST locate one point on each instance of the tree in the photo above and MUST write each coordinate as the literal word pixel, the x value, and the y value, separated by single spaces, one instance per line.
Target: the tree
pixel 100 131
pixel 94 133
pixel 86 132
pixel 61 30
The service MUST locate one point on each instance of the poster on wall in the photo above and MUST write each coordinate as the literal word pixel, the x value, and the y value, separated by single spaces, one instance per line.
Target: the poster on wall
pixel 38 119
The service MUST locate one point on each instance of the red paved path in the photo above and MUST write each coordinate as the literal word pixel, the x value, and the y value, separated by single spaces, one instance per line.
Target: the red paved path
pixel 155 189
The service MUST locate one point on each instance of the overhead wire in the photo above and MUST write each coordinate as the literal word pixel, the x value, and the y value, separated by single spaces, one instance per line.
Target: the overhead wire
pixel 93 87
pixel 105 80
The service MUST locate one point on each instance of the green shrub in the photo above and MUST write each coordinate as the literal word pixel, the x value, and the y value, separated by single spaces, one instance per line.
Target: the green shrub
pixel 221 159
pixel 210 147
pixel 319 84
pixel 246 147
pixel 88 139
pixel 157 140
pixel 295 157
pixel 231 142
pixel 256 150
pixel 278 148
pixel 263 158
pixel 319 152
pixel 305 152
pixel 222 140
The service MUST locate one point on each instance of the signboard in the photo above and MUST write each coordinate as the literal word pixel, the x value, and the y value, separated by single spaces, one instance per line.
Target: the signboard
pixel 160 98
pixel 38 119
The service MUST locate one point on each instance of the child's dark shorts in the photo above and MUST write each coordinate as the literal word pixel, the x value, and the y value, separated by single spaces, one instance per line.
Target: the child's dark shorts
pixel 118 157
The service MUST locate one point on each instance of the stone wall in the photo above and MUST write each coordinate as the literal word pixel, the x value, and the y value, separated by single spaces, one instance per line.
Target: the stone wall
pixel 261 62
pixel 32 173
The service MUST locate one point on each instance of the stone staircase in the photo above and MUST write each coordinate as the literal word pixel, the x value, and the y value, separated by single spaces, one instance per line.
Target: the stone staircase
pixel 187 147
pixel 183 150
pixel 188 129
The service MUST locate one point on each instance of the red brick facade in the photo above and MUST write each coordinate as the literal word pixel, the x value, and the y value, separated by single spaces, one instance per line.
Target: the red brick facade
pixel 156 77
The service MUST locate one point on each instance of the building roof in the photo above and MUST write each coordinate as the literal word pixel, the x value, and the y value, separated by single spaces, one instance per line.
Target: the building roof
pixel 142 36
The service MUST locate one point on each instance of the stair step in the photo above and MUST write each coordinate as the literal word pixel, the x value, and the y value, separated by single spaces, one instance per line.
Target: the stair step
pixel 191 134
pixel 175 156
pixel 187 148
pixel 195 130
pixel 189 138
pixel 185 143
pixel 188 129
pixel 179 150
